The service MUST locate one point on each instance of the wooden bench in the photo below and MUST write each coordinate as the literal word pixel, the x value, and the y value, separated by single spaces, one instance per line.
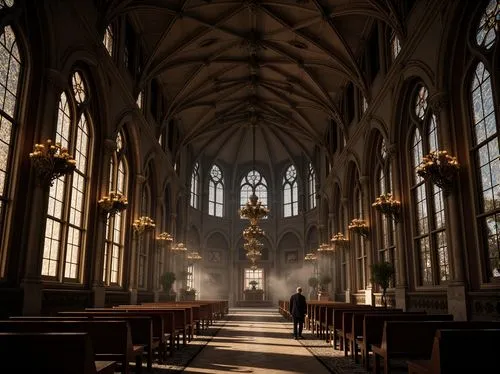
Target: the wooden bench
pixel 111 340
pixel 373 328
pixel 51 353
pixel 450 353
pixel 141 328
pixel 352 327
pixel 163 325
pixel 414 340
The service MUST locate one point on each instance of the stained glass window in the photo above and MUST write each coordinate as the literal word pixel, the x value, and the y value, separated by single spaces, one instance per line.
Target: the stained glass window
pixel 65 230
pixel 488 26
pixel 395 46
pixel 108 40
pixel 486 153
pixel 115 224
pixel 253 180
pixel 428 201
pixel 216 192
pixel 195 186
pixel 290 193
pixel 312 187
pixel 10 77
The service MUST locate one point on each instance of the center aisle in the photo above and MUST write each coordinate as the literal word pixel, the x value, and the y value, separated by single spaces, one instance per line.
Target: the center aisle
pixel 255 340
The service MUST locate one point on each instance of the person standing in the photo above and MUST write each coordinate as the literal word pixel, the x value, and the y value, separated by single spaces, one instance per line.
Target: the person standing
pixel 298 310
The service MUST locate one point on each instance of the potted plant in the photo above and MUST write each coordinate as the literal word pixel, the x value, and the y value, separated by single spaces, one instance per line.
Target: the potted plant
pixel 167 279
pixel 253 284
pixel 188 293
pixel 382 273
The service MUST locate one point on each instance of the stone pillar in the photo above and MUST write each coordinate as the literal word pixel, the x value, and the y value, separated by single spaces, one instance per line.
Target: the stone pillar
pixel 136 242
pixel 457 292
pixel 401 275
pixel 31 283
pixel 365 189
pixel 98 286
pixel 348 254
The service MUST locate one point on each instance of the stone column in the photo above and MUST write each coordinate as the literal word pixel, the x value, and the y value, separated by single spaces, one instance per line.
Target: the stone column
pixel 136 242
pixel 401 275
pixel 457 297
pixel 348 253
pixel 31 283
pixel 98 286
pixel 365 189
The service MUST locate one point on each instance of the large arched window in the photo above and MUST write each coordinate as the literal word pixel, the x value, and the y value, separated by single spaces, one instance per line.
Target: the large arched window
pixel 290 193
pixel 386 225
pixel 359 241
pixel 195 186
pixel 253 180
pixel 66 226
pixel 115 225
pixel 216 192
pixel 485 144
pixel 311 187
pixel 10 78
pixel 429 234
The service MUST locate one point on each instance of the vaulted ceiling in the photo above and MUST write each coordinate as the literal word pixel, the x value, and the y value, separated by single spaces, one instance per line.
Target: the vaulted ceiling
pixel 279 67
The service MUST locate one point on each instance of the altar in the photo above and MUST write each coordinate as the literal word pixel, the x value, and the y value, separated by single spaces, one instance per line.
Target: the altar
pixel 254 295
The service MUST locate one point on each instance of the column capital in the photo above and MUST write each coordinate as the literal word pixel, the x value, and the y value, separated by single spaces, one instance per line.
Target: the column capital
pixel 109 145
pixel 439 101
pixel 56 79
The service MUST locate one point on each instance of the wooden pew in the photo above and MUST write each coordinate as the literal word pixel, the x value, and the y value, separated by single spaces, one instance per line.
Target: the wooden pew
pixel 163 325
pixel 450 352
pixel 111 340
pixel 336 321
pixel 352 326
pixel 414 339
pixel 373 327
pixel 141 329
pixel 183 317
pixel 54 353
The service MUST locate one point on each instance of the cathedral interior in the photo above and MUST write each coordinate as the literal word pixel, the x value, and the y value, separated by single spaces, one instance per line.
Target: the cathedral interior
pixel 133 134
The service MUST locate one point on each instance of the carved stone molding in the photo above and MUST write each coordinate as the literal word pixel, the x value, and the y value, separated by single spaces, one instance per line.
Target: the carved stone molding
pixel 56 79
pixel 428 302
pixel 439 101
pixel 109 145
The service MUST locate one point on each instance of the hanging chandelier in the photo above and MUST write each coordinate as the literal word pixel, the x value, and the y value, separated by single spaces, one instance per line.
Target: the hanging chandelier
pixel 325 249
pixel 179 248
pixel 253 232
pixel 193 256
pixel 310 257
pixel 339 240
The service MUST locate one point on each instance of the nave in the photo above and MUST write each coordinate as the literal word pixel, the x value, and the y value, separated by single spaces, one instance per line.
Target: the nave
pixel 259 340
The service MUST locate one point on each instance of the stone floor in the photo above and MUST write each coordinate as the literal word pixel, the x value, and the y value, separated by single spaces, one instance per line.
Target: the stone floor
pixel 252 340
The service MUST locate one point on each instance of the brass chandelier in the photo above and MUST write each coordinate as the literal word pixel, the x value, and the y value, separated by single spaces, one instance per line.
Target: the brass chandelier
pixel 254 211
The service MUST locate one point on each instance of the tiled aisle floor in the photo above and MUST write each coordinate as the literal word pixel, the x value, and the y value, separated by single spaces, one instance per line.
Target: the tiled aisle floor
pixel 255 341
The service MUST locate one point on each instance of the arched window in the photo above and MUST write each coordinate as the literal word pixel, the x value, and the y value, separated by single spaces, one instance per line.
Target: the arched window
pixel 485 145
pixel 395 46
pixel 386 225
pixel 109 39
pixel 216 192
pixel 115 225
pixel 290 193
pixel 429 235
pixel 253 180
pixel 195 186
pixel 311 183
pixel 66 226
pixel 10 79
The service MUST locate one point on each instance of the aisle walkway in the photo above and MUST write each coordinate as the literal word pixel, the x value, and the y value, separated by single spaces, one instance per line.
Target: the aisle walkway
pixel 255 341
